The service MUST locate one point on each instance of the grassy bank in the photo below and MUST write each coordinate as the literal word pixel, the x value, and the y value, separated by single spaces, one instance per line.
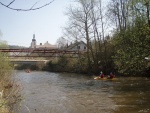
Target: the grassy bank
pixel 9 90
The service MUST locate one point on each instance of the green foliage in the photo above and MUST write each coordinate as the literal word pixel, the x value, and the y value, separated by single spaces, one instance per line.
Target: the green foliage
pixel 60 65
pixel 64 64
pixel 5 65
pixel 6 83
pixel 132 46
pixel 37 66
pixel 3 44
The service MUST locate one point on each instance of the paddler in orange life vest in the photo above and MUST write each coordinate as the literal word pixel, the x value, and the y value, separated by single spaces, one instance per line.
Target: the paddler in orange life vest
pixel 101 75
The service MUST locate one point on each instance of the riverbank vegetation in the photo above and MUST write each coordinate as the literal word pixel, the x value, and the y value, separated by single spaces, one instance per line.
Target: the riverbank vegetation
pixel 65 64
pixel 9 90
pixel 117 34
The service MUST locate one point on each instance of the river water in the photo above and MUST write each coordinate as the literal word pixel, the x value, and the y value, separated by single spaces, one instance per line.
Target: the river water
pixel 47 92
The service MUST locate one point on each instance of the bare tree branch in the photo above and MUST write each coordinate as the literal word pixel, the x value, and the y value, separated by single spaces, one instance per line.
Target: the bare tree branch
pixel 10 3
pixel 34 4
pixel 19 9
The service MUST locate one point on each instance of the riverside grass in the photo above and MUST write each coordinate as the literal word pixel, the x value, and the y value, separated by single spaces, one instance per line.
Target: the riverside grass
pixel 10 88
pixel 5 80
pixel 5 73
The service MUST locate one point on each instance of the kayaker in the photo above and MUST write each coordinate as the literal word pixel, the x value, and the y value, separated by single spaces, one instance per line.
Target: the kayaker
pixel 101 74
pixel 28 71
pixel 111 76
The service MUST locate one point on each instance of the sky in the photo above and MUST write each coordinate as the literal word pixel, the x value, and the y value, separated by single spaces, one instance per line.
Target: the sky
pixel 18 27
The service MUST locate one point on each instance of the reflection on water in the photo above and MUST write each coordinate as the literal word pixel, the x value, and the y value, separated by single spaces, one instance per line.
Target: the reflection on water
pixel 46 92
pixel 133 95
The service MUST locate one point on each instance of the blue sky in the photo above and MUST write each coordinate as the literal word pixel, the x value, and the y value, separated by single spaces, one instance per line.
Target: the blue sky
pixel 18 27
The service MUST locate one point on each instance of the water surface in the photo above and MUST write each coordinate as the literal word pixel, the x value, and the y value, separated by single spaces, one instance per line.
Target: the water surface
pixel 46 92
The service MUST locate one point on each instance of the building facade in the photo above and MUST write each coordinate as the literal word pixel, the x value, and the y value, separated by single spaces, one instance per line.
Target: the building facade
pixel 45 45
pixel 78 46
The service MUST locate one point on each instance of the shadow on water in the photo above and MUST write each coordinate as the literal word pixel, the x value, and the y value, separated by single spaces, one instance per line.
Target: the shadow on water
pixel 46 92
pixel 132 95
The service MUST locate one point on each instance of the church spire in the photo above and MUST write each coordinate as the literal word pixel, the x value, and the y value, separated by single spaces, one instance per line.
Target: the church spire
pixel 33 43
pixel 33 36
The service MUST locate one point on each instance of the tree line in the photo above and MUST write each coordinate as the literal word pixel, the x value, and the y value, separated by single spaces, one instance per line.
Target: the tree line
pixel 117 34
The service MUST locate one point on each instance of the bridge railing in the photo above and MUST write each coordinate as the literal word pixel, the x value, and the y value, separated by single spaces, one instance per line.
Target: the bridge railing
pixel 40 52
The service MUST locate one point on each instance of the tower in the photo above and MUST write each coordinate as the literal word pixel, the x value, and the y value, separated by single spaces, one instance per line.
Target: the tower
pixel 33 43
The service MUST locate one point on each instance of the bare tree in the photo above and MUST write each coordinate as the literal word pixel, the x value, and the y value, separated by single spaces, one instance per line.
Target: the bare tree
pixel 62 42
pixel 33 6
pixel 119 11
pixel 125 12
pixel 143 8
pixel 81 23
pixel 87 22
pixel 147 4
pixel 72 33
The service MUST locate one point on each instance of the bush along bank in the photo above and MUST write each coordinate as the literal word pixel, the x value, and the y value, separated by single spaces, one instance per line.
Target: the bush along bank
pixel 9 90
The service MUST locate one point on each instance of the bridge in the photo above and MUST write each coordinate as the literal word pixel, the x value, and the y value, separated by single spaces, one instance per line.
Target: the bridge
pixel 40 52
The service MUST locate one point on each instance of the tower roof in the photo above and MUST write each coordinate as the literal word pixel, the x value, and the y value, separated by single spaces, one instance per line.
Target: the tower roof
pixel 33 38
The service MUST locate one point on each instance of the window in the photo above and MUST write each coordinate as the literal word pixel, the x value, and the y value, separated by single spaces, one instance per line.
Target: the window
pixel 84 47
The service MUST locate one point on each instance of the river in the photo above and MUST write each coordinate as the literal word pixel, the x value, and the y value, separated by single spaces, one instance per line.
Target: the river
pixel 47 92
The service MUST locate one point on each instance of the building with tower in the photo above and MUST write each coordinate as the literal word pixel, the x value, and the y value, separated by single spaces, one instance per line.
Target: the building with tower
pixel 45 45
pixel 33 43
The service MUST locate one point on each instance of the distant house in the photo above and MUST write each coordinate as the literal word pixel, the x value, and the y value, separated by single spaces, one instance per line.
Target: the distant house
pixel 78 46
pixel 45 45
